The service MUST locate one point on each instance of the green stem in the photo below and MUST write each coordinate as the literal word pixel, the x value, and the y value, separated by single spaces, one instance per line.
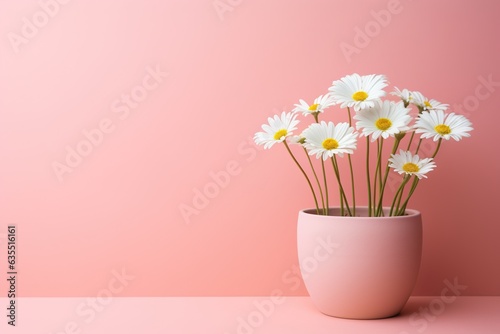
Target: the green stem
pixel 418 146
pixel 400 196
pixel 380 204
pixel 437 148
pixel 342 192
pixel 341 202
pixel 351 170
pixel 379 162
pixel 316 118
pixel 327 208
pixel 368 176
pixel 352 186
pixel 397 195
pixel 305 175
pixel 411 139
pixel 317 181
pixel 412 190
pixel 377 175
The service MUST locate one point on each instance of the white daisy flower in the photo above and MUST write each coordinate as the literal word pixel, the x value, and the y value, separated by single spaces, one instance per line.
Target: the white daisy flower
pixel 437 124
pixel 358 91
pixel 277 130
pixel 404 95
pixel 425 104
pixel 326 139
pixel 319 105
pixel 405 163
pixel 385 119
pixel 298 139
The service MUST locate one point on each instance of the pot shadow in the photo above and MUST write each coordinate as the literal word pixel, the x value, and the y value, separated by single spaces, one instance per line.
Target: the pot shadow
pixel 412 306
pixel 415 305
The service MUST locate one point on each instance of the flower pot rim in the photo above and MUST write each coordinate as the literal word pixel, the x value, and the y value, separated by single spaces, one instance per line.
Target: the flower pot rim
pixel 312 212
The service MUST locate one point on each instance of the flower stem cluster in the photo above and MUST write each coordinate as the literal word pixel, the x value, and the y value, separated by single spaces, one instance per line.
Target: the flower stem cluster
pixel 378 120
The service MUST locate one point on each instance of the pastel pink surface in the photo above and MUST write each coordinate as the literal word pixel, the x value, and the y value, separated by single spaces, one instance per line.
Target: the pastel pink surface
pixel 229 315
pixel 120 207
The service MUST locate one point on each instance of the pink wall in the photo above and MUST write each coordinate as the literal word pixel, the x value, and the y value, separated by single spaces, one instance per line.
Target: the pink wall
pixel 204 76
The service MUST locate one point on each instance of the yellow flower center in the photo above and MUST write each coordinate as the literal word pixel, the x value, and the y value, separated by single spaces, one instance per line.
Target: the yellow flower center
pixel 442 129
pixel 330 144
pixel 383 124
pixel 410 167
pixel 314 107
pixel 280 133
pixel 427 104
pixel 359 96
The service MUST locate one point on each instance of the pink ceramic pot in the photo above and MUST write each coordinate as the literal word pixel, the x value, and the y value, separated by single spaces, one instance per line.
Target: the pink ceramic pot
pixel 359 267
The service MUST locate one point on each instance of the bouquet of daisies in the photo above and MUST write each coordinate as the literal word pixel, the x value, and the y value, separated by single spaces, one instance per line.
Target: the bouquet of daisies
pixel 375 119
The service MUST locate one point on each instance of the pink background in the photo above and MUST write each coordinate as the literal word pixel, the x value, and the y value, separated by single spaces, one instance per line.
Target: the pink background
pixel 120 207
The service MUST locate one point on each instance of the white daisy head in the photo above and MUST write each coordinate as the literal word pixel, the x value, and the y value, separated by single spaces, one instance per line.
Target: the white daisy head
pixel 319 105
pixel 436 124
pixel 406 163
pixel 358 91
pixel 326 139
pixel 298 139
pixel 404 95
pixel 385 119
pixel 277 130
pixel 425 104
